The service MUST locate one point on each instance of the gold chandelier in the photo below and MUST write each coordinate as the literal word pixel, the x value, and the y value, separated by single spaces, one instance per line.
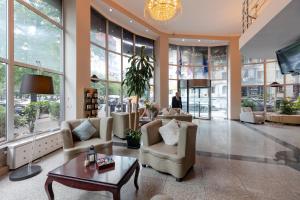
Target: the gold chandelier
pixel 162 10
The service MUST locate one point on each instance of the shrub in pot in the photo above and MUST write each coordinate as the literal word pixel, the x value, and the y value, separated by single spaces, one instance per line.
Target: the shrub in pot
pixel 134 138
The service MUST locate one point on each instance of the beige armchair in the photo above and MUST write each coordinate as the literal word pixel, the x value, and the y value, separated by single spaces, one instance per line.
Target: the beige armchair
pixel 247 115
pixel 175 160
pixel 102 139
pixel 121 123
pixel 179 117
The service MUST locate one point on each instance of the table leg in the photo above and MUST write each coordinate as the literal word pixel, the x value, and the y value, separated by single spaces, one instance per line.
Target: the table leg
pixel 136 176
pixel 116 194
pixel 48 188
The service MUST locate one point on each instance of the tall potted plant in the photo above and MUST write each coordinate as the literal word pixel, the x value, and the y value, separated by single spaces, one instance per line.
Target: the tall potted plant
pixel 137 79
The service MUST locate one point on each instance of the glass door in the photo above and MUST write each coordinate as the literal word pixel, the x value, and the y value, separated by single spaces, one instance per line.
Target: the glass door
pixel 199 103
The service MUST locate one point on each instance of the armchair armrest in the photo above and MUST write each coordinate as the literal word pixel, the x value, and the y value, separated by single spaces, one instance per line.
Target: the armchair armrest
pixel 67 135
pixel 150 134
pixel 106 124
pixel 187 139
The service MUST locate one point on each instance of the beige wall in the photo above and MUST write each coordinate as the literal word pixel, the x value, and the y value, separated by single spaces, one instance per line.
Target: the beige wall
pixel 77 55
pixel 162 70
pixel 77 23
pixel 234 79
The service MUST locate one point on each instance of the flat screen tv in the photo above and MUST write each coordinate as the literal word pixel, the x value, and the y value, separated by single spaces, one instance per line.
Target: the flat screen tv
pixel 289 59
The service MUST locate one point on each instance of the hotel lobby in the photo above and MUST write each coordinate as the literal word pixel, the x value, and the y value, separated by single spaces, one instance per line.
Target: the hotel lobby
pixel 152 99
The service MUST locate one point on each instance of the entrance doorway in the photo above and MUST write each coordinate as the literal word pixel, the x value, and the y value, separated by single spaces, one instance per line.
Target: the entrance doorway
pixel 196 97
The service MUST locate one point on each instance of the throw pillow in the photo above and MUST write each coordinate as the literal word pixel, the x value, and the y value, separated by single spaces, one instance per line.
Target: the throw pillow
pixel 173 111
pixel 165 111
pixel 170 132
pixel 85 130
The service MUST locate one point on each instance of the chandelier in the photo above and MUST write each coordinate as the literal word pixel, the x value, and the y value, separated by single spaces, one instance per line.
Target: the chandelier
pixel 162 10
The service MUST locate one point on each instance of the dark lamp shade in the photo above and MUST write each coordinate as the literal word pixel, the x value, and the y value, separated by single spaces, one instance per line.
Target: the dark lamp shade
pixel 274 84
pixel 95 79
pixel 36 84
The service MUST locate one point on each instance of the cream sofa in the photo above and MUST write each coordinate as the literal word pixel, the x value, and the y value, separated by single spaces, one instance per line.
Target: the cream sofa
pixel 175 113
pixel 281 118
pixel 121 123
pixel 175 160
pixel 247 115
pixel 101 140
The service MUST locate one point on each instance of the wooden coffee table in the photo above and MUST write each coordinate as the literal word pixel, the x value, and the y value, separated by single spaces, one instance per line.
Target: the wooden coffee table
pixel 74 174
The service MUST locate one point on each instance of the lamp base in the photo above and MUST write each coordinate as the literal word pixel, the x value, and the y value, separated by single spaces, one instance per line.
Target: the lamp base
pixel 25 173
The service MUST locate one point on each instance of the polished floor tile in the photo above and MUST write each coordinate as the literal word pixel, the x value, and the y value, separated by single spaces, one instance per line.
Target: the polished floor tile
pixel 234 162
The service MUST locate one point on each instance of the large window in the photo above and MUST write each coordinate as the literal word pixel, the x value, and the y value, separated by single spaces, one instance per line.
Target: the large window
pixel 38 49
pixel 3 67
pixel 187 62
pixel 257 90
pixel 37 41
pixel 111 47
pixel 2 102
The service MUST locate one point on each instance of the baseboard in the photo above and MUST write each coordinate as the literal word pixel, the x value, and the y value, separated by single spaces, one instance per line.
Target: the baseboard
pixel 3 170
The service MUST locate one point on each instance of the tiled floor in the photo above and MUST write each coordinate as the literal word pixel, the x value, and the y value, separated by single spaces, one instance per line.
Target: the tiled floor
pixel 214 176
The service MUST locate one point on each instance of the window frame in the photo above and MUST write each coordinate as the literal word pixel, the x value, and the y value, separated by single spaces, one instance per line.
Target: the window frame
pixel 11 63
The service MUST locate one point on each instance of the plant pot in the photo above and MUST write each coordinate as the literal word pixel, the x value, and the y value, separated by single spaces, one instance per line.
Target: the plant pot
pixel 133 143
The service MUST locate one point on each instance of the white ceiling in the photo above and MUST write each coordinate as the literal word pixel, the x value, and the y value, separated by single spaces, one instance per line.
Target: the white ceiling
pixel 201 17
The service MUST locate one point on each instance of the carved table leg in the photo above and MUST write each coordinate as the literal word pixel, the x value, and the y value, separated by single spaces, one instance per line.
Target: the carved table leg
pixel 116 194
pixel 136 176
pixel 48 188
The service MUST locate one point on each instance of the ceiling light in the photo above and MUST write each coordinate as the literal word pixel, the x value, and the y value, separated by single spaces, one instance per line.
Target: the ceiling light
pixel 147 30
pixel 130 21
pixel 110 10
pixel 199 40
pixel 182 40
pixel 162 10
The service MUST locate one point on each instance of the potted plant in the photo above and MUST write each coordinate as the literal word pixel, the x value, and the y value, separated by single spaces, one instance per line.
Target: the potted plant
pixel 136 81
pixel 133 138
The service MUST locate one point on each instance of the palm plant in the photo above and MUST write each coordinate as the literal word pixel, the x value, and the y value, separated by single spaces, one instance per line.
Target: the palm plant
pixel 137 77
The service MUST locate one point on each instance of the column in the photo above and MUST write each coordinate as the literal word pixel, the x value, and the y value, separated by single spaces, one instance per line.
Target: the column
pixel 77 56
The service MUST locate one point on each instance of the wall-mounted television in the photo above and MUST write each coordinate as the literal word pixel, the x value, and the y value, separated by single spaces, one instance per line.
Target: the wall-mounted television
pixel 289 59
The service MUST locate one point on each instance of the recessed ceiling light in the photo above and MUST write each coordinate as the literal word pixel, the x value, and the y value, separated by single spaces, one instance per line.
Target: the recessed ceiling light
pixel 199 40
pixel 182 40
pixel 110 9
pixel 147 30
pixel 131 21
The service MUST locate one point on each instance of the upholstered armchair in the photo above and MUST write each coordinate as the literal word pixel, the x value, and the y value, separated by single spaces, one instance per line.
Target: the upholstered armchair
pixel 121 123
pixel 247 115
pixel 175 160
pixel 101 139
pixel 175 113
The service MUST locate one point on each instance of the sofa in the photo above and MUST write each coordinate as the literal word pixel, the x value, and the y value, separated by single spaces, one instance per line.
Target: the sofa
pixel 247 115
pixel 173 159
pixel 174 113
pixel 281 118
pixel 101 139
pixel 121 123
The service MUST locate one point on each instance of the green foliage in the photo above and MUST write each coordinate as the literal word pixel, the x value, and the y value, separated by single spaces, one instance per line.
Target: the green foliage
pixel 43 106
pixel 134 135
pixel 297 104
pixel 287 107
pixel 19 121
pixel 139 73
pixel 54 110
pixel 248 103
pixel 30 112
pixel 2 121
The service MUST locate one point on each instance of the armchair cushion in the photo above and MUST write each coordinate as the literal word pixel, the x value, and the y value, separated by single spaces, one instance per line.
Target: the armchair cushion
pixel 170 132
pixel 85 130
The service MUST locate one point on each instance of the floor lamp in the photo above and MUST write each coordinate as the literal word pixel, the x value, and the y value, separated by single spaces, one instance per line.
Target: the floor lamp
pixel 275 85
pixel 32 84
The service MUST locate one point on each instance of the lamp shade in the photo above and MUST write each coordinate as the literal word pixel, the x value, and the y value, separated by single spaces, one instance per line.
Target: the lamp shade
pixel 95 79
pixel 36 84
pixel 274 84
